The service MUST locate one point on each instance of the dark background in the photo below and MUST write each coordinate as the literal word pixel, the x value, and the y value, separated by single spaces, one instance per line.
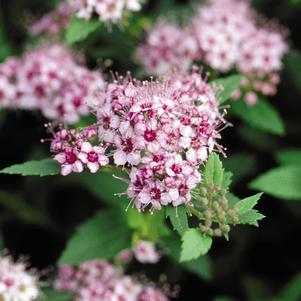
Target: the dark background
pixel 256 261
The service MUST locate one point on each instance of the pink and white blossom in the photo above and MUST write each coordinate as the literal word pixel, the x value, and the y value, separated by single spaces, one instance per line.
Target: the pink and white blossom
pixel 50 80
pixel 146 252
pixel 108 11
pixel 100 280
pixel 16 282
pixel 160 132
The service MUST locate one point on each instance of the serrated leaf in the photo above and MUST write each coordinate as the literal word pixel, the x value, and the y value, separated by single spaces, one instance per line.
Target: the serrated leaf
pixel 201 266
pixel 232 199
pixel 227 179
pixel 102 236
pixel 229 85
pixel 250 217
pixel 79 29
pixel 261 116
pixel 213 173
pixel 178 218
pixel 248 203
pixel 52 295
pixel 289 157
pixel 194 244
pixel 283 182
pixel 42 168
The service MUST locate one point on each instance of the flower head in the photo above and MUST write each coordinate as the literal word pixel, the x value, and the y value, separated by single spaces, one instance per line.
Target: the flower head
pixel 50 80
pixel 16 283
pixel 100 280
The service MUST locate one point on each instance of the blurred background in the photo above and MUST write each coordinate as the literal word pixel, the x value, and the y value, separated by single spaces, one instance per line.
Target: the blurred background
pixel 38 215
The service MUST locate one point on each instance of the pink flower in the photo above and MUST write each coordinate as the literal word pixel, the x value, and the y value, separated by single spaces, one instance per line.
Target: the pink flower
pixel 69 161
pixel 53 21
pixel 100 280
pixel 167 46
pixel 145 252
pixel 161 131
pixel 13 277
pixel 50 80
pixel 110 11
pixel 93 156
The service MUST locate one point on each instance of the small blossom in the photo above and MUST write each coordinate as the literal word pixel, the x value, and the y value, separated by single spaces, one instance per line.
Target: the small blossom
pixel 16 283
pixel 108 11
pixel 69 161
pixel 93 156
pixel 145 252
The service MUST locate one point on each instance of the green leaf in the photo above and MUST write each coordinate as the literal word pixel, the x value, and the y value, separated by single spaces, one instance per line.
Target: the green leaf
pixel 194 244
pixel 250 217
pixel 154 228
pixel 232 199
pixel 229 85
pixel 5 49
pixel 247 204
pixel 107 188
pixel 52 295
pixel 293 66
pixel 261 116
pixel 201 266
pixel 283 182
pixel 102 236
pixel 79 29
pixel 227 179
pixel 240 164
pixel 135 219
pixel 289 157
pixel 42 168
pixel 293 290
pixel 178 218
pixel 213 173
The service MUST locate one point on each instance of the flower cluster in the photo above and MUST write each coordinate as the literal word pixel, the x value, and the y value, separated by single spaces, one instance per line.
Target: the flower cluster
pixel 227 35
pixel 100 280
pixel 74 150
pixel 159 131
pixel 16 283
pixel 110 11
pixel 50 80
pixel 168 46
pixel 54 21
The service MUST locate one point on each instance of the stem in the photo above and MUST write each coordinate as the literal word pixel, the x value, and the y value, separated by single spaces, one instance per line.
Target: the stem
pixel 196 213
pixel 110 169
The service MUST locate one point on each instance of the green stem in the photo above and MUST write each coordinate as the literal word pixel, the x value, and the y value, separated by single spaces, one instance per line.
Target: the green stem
pixel 196 213
pixel 111 169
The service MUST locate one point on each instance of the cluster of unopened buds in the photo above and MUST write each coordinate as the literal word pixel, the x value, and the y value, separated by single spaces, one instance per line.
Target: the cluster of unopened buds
pixel 226 35
pixel 160 132
pixel 50 80
pixel 100 280
pixel 16 282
